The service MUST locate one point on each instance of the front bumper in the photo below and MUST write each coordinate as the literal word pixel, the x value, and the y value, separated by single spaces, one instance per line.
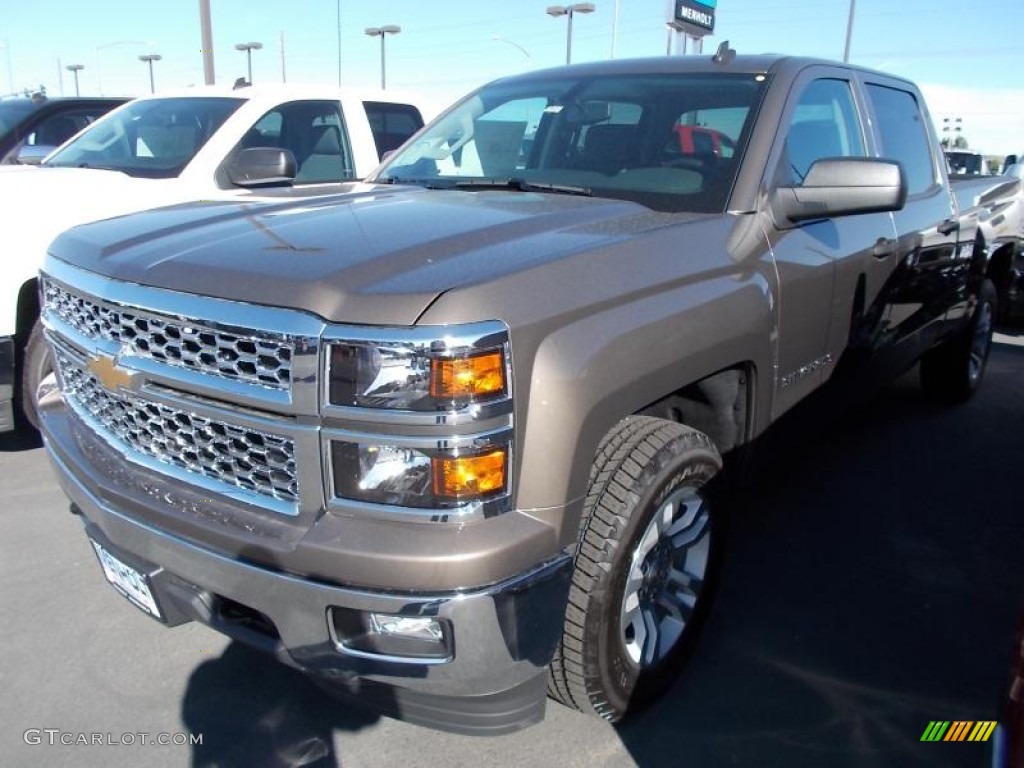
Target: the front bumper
pixel 7 378
pixel 502 635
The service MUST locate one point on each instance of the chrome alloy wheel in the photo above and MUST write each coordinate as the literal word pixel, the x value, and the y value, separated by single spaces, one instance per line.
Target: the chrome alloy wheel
pixel 980 342
pixel 665 578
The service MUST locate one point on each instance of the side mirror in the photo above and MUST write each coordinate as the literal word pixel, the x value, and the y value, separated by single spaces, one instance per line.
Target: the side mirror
pixel 33 155
pixel 841 186
pixel 262 167
pixel 1010 160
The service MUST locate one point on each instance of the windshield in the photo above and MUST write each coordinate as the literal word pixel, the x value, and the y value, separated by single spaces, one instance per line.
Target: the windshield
pixel 13 112
pixel 150 138
pixel 671 142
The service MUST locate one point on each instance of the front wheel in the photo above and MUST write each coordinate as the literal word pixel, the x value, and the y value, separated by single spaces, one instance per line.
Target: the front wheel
pixel 645 565
pixel 953 370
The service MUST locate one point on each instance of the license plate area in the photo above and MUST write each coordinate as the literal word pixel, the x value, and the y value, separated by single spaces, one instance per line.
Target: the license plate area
pixel 129 581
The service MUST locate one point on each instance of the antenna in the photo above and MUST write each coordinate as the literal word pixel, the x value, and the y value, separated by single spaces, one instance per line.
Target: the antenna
pixel 724 54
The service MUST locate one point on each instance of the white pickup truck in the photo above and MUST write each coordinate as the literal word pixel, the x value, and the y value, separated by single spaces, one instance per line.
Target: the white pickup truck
pixel 996 203
pixel 194 144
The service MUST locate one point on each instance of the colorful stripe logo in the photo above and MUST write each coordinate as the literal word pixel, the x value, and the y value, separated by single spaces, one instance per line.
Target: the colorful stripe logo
pixel 958 730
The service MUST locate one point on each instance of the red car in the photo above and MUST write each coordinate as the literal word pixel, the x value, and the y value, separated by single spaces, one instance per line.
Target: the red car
pixel 697 140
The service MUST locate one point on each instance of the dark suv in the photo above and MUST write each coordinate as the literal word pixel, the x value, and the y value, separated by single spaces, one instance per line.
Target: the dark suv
pixel 31 128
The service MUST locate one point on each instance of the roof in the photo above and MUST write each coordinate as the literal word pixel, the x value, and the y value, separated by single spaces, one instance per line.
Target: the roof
pixel 746 64
pixel 64 99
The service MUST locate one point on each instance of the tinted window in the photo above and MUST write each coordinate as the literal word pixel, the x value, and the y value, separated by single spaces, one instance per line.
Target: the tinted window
pixel 392 124
pixel 904 137
pixel 13 112
pixel 148 138
pixel 964 162
pixel 607 135
pixel 55 130
pixel 824 124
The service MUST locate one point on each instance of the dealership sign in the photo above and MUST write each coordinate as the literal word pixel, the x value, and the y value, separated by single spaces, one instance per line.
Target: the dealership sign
pixel 697 17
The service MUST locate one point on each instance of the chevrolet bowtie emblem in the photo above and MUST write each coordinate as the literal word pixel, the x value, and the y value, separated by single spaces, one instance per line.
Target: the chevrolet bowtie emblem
pixel 109 373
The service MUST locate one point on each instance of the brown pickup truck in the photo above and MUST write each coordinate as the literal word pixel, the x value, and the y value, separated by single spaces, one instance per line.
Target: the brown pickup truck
pixel 443 440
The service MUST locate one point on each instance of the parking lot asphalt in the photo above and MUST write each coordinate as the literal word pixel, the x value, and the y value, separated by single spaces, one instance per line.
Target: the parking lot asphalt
pixel 874 577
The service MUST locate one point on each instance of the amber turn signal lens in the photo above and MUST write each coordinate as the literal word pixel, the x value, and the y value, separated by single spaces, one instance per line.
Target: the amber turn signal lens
pixel 469 477
pixel 479 375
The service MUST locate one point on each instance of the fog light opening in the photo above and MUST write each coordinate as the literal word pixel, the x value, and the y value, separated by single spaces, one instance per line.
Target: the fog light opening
pixel 391 637
pixel 412 627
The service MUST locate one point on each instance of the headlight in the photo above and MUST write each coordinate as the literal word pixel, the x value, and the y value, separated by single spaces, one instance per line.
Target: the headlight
pixel 422 477
pixel 438 369
pixel 411 394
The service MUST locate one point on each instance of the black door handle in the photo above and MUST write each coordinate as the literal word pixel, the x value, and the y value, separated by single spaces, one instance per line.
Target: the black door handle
pixel 948 227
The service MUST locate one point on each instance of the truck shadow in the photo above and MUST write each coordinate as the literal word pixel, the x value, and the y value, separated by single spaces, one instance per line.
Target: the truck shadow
pixel 872 585
pixel 23 439
pixel 254 712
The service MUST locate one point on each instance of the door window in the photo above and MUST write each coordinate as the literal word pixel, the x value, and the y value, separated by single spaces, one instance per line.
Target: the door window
pixel 391 124
pixel 56 129
pixel 313 131
pixel 904 136
pixel 824 124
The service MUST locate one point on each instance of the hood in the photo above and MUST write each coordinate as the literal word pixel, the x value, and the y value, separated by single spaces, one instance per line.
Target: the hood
pixel 379 255
pixel 45 201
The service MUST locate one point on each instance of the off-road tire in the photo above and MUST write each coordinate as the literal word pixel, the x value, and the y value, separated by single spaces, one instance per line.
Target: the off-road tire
pixel 641 466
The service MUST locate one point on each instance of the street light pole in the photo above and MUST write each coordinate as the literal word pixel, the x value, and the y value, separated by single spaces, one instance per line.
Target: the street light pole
pixel 248 48
pixel 206 37
pixel 569 10
pixel 382 32
pixel 75 68
pixel 339 41
pixel 149 58
pixel 849 31
pixel 615 28
pixel 283 77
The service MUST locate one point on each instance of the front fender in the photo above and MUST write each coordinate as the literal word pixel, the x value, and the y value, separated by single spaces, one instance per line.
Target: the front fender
pixel 595 371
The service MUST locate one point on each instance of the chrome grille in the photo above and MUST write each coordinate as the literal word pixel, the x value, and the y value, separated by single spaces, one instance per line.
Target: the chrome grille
pixel 253 357
pixel 246 458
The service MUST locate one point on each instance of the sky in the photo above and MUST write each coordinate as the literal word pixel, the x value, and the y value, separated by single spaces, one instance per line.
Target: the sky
pixel 966 57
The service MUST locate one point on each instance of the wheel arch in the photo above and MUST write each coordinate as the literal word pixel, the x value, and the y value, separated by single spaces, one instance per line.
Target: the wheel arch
pixel 1000 264
pixel 27 310
pixel 712 387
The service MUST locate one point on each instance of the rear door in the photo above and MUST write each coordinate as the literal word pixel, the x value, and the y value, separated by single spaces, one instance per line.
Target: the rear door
pixel 931 268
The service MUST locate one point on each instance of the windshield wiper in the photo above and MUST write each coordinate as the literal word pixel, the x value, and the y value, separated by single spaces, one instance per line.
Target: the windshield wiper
pixel 524 186
pixel 90 166
pixel 427 183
